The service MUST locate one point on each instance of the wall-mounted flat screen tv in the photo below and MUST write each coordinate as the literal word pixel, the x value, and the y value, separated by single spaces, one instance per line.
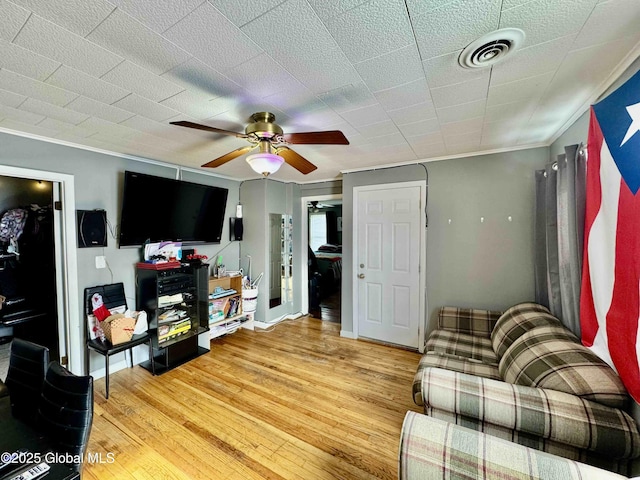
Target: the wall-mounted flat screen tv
pixel 163 209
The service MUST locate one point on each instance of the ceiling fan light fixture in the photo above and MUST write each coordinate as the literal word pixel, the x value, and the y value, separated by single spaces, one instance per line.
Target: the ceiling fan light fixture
pixel 265 163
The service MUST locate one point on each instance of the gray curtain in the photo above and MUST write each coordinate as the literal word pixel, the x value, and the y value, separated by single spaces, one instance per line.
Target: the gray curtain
pixel 559 231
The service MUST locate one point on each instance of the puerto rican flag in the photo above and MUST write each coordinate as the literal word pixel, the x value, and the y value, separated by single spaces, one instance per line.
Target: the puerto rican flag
pixel 610 295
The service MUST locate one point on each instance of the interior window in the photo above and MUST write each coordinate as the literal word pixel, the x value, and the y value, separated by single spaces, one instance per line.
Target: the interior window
pixel 317 230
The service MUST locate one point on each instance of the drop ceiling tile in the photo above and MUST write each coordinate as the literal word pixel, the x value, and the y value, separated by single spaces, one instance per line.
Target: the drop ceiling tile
pixel 423 127
pixel 391 69
pixel 405 95
pixel 460 92
pixel 431 150
pixel 54 111
pixel 509 112
pixel 157 14
pixel 79 16
pixel 461 140
pixel 57 125
pixel 459 128
pixel 127 37
pixel 94 108
pixel 325 10
pixel 545 20
pixel 197 76
pixel 137 104
pixel 87 85
pixel 592 66
pixel 365 116
pixel 19 126
pixel 241 12
pixel 413 113
pixel 11 99
pixel 460 113
pixel 531 61
pixel 303 46
pixel 33 88
pixel 312 120
pixel 443 70
pixel 501 134
pixel 161 129
pixel 527 88
pixel 136 79
pixel 105 127
pixel 609 21
pixel 82 130
pixel 194 104
pixel 195 34
pixel 20 115
pixel 25 62
pixel 61 45
pixel 372 130
pixel 13 18
pixel 454 25
pixel 372 29
pixel 422 140
pixel 348 97
pixel 262 76
pixel 296 100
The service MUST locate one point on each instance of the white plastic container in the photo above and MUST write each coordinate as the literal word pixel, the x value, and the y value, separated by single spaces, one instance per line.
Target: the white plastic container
pixel 249 299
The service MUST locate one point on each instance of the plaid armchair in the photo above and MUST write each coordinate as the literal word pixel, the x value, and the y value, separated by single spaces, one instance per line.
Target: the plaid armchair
pixel 522 377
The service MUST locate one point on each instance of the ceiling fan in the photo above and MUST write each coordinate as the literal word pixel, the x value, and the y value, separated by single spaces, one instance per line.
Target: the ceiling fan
pixel 267 136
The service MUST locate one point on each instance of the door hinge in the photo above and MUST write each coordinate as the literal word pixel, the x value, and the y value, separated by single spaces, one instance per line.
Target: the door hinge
pixel 64 361
pixel 57 205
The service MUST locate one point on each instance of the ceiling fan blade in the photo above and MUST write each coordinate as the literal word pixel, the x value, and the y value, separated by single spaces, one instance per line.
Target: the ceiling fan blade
pixel 298 162
pixel 207 128
pixel 330 137
pixel 229 156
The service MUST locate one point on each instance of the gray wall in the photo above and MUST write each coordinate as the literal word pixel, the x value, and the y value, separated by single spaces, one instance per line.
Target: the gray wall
pixel 98 181
pixel 469 263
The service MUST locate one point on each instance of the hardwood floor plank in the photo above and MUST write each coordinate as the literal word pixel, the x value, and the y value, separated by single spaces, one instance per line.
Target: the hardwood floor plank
pixel 297 402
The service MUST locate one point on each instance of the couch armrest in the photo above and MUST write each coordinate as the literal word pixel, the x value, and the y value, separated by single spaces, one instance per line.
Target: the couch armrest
pixel 433 448
pixel 548 414
pixel 472 321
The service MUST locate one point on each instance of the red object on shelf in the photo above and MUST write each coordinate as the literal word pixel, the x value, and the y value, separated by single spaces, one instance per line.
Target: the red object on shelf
pixel 158 266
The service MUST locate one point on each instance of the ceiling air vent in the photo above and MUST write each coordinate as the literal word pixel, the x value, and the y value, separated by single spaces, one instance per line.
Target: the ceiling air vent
pixel 491 48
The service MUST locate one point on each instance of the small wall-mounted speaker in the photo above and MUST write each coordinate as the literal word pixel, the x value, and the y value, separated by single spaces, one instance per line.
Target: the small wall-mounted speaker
pixel 92 228
pixel 235 228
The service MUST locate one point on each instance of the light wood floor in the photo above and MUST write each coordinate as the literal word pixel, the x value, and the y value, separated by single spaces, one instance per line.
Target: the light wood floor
pixel 299 402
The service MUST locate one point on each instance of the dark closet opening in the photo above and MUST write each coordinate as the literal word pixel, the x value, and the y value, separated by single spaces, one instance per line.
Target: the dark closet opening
pixel 27 264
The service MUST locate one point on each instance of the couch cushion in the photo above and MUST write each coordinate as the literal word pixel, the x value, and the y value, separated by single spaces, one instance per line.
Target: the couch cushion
pixel 516 321
pixel 472 321
pixel 551 357
pixel 451 362
pixel 462 345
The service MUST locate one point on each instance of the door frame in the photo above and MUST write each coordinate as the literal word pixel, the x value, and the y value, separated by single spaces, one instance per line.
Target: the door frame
pixel 421 261
pixel 66 263
pixel 304 257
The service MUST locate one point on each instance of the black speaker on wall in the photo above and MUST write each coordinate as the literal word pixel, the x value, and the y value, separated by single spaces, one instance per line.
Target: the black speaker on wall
pixel 235 228
pixel 92 228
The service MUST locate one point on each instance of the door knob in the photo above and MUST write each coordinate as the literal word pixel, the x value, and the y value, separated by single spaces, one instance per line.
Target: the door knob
pixel 361 275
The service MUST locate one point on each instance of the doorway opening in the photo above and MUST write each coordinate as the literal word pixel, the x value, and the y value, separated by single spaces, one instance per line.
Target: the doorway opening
pixel 324 256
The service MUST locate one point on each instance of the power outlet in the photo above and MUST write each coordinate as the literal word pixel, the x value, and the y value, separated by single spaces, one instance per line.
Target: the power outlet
pixel 101 261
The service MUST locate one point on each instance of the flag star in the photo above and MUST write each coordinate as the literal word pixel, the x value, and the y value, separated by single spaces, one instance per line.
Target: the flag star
pixel 634 113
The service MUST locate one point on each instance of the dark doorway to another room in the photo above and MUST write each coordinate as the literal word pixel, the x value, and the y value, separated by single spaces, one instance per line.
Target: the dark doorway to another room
pixel 325 259
pixel 27 266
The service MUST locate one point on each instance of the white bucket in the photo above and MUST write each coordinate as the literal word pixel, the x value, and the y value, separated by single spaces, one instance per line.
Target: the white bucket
pixel 249 299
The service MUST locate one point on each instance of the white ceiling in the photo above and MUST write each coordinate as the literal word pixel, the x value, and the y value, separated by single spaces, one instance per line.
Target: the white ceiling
pixel 111 75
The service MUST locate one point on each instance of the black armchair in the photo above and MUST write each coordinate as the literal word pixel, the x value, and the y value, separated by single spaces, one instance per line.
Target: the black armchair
pixel 65 413
pixel 27 367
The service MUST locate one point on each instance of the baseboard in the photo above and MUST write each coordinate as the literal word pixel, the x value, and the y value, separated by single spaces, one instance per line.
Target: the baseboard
pixel 347 334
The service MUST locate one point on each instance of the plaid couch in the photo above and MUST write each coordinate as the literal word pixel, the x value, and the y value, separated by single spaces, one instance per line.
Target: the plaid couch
pixel 521 376
pixel 432 449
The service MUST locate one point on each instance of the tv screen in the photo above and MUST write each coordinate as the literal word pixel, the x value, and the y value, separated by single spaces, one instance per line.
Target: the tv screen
pixel 163 209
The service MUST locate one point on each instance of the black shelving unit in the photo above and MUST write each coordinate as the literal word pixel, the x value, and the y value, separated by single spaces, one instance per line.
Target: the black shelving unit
pixel 176 310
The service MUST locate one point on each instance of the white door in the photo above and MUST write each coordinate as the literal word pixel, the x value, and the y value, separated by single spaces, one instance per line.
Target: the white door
pixel 387 263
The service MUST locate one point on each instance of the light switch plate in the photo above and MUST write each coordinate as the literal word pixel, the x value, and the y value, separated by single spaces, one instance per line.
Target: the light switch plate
pixel 101 261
